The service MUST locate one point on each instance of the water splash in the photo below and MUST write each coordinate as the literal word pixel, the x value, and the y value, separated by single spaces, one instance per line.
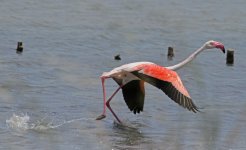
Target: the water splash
pixel 22 122
pixel 18 122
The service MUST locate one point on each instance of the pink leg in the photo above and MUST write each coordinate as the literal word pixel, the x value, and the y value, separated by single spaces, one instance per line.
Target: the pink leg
pixel 107 103
pixel 103 115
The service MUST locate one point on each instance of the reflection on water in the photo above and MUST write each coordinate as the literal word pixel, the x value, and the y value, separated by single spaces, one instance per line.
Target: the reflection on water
pixel 127 137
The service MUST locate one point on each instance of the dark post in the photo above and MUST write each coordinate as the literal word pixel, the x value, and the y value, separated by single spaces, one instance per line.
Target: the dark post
pixel 230 57
pixel 170 53
pixel 117 57
pixel 19 48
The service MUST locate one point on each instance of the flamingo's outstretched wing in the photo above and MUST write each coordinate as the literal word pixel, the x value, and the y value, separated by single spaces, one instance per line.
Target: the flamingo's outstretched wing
pixel 134 93
pixel 169 82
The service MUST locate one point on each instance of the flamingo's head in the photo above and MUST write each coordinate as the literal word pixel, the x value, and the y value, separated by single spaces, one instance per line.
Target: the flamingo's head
pixel 214 44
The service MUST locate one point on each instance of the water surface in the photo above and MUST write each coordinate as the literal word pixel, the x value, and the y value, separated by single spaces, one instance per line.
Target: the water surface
pixel 51 94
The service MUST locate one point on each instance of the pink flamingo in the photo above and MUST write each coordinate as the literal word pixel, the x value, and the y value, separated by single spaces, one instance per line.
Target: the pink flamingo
pixel 131 78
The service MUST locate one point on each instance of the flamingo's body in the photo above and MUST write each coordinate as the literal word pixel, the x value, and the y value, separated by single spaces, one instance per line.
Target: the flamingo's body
pixel 131 78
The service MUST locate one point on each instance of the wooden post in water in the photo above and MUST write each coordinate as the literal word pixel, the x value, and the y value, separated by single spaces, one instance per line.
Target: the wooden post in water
pixel 117 57
pixel 230 57
pixel 170 53
pixel 19 48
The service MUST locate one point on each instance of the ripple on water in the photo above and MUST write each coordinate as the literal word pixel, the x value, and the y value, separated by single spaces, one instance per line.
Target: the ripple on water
pixel 23 122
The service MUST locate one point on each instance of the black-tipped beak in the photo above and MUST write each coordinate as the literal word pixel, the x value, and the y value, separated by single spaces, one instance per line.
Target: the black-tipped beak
pixel 220 46
pixel 223 50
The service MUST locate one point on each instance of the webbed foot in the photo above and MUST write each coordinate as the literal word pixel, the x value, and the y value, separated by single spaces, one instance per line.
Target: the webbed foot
pixel 101 117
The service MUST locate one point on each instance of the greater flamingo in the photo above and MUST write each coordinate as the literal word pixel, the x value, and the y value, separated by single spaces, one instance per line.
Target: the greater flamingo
pixel 131 78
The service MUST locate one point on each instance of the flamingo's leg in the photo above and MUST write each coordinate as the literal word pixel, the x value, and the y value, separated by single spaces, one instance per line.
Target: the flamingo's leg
pixel 106 103
pixel 103 115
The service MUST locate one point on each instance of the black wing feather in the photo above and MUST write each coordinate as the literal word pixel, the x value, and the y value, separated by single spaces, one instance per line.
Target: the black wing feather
pixel 133 93
pixel 169 90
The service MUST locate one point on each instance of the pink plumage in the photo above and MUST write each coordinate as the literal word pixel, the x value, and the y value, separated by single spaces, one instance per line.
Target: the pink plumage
pixel 131 78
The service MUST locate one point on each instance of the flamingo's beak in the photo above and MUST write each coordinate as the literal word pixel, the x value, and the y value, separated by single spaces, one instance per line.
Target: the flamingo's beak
pixel 219 46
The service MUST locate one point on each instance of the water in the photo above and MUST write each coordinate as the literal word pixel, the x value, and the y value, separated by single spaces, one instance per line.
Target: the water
pixel 51 94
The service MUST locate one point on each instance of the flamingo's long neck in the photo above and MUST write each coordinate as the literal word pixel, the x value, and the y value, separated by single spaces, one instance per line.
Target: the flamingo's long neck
pixel 187 60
